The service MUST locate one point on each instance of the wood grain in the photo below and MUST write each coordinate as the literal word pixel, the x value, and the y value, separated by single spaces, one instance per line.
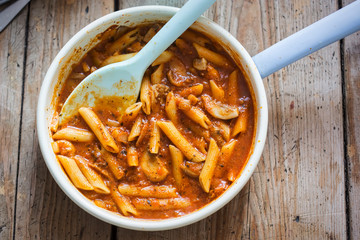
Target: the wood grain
pixel 12 42
pixel 43 211
pixel 297 191
pixel 352 110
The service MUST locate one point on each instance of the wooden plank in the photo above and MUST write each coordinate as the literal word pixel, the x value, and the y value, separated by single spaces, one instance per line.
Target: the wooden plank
pixel 297 191
pixel 43 210
pixel 351 52
pixel 12 42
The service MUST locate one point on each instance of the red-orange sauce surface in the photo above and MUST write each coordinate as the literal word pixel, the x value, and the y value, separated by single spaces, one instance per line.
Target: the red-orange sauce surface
pixel 225 172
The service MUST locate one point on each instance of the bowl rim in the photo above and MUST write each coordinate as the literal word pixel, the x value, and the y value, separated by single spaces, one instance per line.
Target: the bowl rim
pixel 146 224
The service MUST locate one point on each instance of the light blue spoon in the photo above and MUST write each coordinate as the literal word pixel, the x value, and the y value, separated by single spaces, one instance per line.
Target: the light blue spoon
pixel 123 79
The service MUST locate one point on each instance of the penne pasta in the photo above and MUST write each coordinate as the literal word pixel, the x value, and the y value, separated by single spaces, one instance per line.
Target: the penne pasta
pixel 120 135
pixel 195 90
pixel 123 204
pixel 217 91
pixel 225 154
pixel 136 129
pixel 101 132
pixel 163 191
pixel 183 46
pixel 210 163
pixel 93 177
pixel 55 147
pixel 171 109
pixel 180 142
pixel 131 113
pixel 74 173
pixel 212 73
pixel 124 41
pixel 157 75
pixel 193 37
pixel 211 56
pixel 143 133
pixel 145 94
pixel 219 110
pixel 163 58
pixel 240 124
pixel 154 141
pixel 54 124
pixel 193 100
pixel 113 164
pixel 153 204
pixel 177 159
pixel 74 135
pixel 224 130
pixel 233 94
pixel 85 67
pixel 192 112
pixel 132 157
pixel 153 168
pixel 117 58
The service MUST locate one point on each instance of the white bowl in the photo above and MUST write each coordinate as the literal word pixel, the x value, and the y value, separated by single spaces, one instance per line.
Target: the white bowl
pixel 72 52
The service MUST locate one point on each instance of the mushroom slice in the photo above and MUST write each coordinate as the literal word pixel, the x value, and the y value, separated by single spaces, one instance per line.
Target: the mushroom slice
pixel 153 168
pixel 219 110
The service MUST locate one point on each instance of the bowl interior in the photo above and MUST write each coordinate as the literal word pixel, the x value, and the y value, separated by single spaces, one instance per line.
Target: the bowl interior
pixel 83 41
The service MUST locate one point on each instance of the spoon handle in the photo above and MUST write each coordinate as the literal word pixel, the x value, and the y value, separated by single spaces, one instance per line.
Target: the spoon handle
pixel 181 21
pixel 312 38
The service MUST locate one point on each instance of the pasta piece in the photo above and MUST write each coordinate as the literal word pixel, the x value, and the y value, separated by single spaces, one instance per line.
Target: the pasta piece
pixel 240 124
pixel 217 91
pixel 149 191
pixel 157 75
pixel 85 67
pixel 93 177
pixel 180 142
pixel 74 135
pixel 113 164
pixel 74 173
pixel 100 203
pixel 153 168
pixel 66 148
pixel 197 130
pixel 54 125
pixel 163 58
pixel 200 64
pixel 195 90
pixel 124 41
pixel 136 129
pixel 171 109
pixel 117 58
pixel 123 204
pixel 154 204
pixel 193 100
pixel 183 46
pixel 225 154
pixel 219 110
pixel 95 56
pixel 215 133
pixel 131 113
pixel 145 94
pixel 194 113
pixel 231 176
pixel 101 132
pixel 193 37
pixel 210 163
pixel 224 130
pixel 149 35
pixel 211 56
pixel 233 95
pixel 154 141
pixel 55 147
pixel 112 123
pixel 177 159
pixel 132 157
pixel 143 133
pixel 135 47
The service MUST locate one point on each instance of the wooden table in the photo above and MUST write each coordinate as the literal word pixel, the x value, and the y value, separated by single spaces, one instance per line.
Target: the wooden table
pixel 306 185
